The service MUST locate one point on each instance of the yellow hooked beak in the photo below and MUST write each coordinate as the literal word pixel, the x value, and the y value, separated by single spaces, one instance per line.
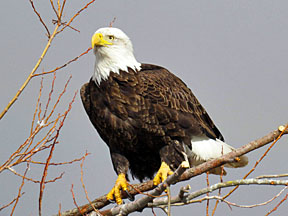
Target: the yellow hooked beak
pixel 98 40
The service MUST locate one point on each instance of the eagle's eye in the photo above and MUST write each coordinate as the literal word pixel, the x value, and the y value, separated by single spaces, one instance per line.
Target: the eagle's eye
pixel 111 37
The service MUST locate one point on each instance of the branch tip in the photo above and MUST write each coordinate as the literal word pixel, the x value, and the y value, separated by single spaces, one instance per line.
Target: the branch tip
pixel 281 128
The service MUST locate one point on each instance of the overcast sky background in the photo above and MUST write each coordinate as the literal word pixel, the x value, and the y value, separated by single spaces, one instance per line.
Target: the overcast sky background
pixel 232 54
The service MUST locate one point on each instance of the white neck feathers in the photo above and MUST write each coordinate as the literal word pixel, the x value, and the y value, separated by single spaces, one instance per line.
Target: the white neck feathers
pixel 113 59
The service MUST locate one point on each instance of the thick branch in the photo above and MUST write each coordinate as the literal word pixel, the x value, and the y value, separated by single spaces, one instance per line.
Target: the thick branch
pixel 146 186
pixel 187 198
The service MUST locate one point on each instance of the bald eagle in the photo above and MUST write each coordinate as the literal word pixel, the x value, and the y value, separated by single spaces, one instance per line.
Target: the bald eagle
pixel 148 117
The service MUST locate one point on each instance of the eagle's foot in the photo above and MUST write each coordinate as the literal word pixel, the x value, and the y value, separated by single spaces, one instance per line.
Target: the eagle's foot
pixel 162 174
pixel 115 193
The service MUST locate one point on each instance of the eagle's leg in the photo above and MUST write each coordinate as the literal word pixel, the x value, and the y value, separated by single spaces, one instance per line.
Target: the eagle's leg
pixel 164 170
pixel 121 166
pixel 162 173
pixel 121 183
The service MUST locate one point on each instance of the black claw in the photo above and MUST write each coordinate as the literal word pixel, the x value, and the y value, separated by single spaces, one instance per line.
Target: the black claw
pixel 111 201
pixel 130 197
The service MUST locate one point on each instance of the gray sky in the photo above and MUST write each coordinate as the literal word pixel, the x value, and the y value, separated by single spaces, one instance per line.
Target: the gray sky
pixel 232 54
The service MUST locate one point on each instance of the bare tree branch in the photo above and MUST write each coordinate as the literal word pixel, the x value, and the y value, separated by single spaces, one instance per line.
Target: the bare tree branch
pixel 178 200
pixel 195 171
pixel 276 207
pixel 40 18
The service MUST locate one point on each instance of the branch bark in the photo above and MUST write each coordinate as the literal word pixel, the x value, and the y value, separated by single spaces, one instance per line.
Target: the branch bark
pixel 163 201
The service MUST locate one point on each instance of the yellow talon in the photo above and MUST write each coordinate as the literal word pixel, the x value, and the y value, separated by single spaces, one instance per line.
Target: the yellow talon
pixel 185 164
pixel 121 183
pixel 162 173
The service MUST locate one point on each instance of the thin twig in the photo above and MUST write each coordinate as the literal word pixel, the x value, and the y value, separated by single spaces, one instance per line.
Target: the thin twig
pixel 54 9
pixel 276 207
pixel 49 99
pixel 33 180
pixel 41 20
pixel 61 163
pixel 62 9
pixel 10 203
pixel 59 211
pixel 208 184
pixel 83 185
pixel 74 200
pixel 64 65
pixel 58 100
pixel 112 22
pixel 258 204
pixel 219 192
pixel 37 105
pixel 20 189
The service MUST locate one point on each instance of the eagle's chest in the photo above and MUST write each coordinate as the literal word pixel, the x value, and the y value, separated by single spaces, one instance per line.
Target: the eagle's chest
pixel 127 135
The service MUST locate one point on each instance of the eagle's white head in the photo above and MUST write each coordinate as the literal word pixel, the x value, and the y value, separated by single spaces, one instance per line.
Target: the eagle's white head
pixel 114 51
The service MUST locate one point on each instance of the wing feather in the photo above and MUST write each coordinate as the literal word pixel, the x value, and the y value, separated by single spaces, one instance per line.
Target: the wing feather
pixel 164 88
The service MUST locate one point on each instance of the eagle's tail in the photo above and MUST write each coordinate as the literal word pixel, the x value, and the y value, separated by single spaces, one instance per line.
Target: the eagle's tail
pixel 204 149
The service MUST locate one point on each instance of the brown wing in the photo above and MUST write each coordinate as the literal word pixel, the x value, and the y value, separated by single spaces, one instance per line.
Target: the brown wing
pixel 165 89
pixel 107 109
pixel 85 97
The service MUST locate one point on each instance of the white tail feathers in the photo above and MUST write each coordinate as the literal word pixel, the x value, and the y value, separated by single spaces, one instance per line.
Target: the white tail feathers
pixel 204 149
